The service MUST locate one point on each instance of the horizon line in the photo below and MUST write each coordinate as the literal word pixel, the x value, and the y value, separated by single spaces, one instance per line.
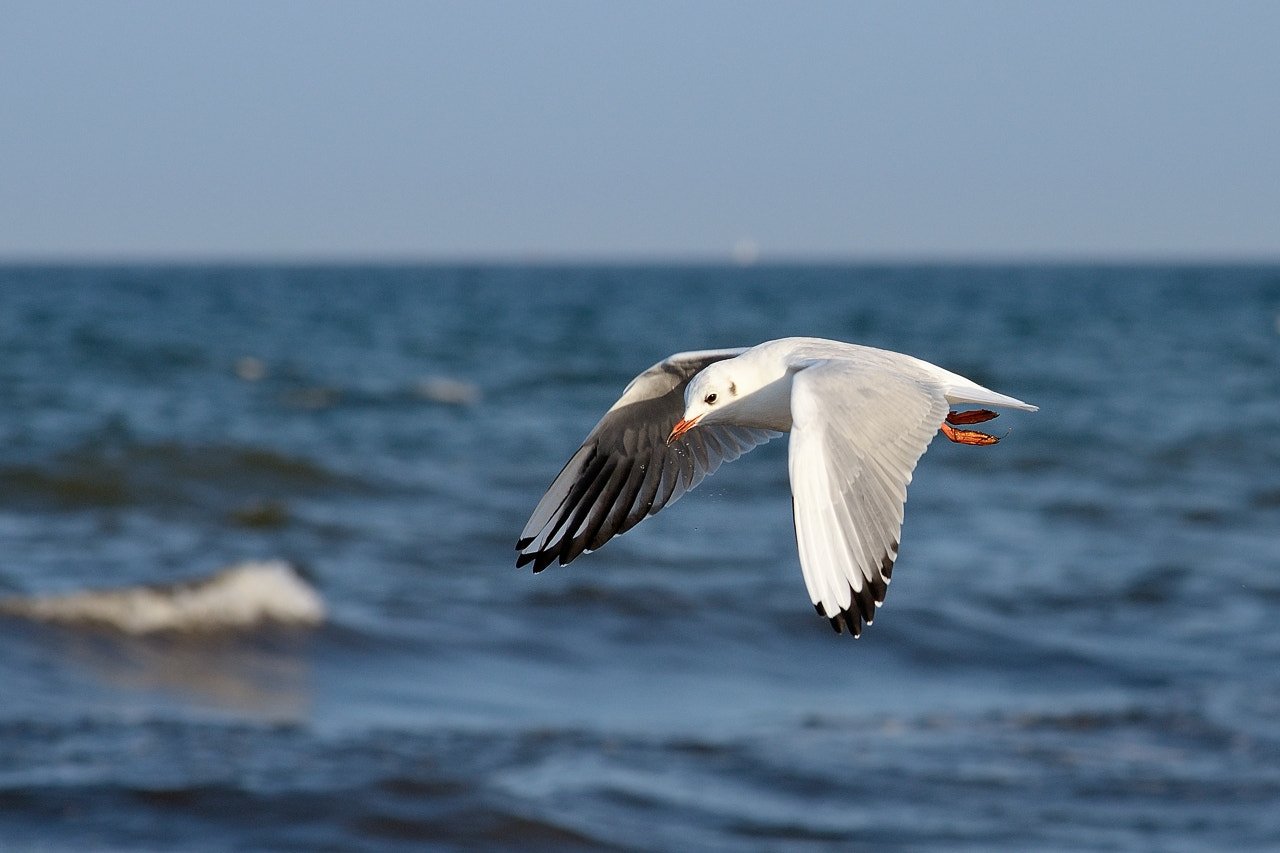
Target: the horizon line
pixel 621 259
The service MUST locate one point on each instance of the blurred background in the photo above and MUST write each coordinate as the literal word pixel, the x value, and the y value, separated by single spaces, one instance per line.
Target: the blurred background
pixel 303 305
pixel 630 131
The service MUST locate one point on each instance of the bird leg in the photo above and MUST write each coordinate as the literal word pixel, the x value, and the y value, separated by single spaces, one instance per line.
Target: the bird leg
pixel 968 436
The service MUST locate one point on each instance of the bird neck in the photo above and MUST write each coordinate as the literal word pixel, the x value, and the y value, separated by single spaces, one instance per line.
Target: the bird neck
pixel 768 407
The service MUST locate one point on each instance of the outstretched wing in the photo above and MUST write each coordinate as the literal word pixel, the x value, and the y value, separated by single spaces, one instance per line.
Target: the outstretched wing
pixel 625 470
pixel 858 430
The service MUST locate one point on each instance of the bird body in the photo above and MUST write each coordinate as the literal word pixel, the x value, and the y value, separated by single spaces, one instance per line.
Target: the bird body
pixel 859 418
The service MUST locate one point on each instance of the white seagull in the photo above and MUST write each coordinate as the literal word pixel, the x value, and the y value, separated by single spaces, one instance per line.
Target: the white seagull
pixel 859 417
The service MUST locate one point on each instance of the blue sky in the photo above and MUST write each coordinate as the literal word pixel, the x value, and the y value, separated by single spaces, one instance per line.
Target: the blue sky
pixel 639 131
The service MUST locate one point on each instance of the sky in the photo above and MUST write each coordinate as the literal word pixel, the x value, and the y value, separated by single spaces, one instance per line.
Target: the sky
pixel 628 131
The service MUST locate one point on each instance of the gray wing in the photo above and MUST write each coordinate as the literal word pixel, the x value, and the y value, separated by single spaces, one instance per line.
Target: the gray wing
pixel 857 432
pixel 625 470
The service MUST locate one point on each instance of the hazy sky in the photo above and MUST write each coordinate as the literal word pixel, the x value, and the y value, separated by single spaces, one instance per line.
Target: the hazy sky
pixel 611 130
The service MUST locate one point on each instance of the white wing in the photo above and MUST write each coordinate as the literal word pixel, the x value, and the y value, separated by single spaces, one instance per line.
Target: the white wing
pixel 858 430
pixel 625 471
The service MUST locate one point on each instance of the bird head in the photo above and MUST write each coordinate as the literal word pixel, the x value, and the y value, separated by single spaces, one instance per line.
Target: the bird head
pixel 706 397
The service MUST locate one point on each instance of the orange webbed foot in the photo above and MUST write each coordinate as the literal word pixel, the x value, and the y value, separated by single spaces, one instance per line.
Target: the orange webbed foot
pixel 975 416
pixel 967 436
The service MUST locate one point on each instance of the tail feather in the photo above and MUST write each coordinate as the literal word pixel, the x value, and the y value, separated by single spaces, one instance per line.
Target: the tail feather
pixel 971 392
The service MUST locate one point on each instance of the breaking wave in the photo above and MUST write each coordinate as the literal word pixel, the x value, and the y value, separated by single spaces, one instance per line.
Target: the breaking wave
pixel 240 597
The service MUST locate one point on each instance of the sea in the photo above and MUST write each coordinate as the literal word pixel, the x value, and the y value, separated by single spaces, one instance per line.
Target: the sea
pixel 258 587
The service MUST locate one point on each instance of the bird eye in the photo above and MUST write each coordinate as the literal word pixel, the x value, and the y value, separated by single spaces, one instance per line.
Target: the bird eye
pixel 710 398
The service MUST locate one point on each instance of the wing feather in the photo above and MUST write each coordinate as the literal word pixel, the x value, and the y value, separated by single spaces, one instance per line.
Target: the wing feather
pixel 625 471
pixel 858 431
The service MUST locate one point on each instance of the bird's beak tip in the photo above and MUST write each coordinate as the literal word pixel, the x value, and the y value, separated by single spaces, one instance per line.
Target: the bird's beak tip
pixel 682 426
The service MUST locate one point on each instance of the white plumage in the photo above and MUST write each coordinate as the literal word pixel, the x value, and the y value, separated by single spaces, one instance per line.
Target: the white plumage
pixel 859 417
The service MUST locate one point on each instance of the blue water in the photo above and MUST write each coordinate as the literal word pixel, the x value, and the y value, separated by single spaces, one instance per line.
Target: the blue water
pixel 1080 649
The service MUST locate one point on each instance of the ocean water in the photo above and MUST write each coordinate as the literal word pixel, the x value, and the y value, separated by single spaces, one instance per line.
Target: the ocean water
pixel 1080 649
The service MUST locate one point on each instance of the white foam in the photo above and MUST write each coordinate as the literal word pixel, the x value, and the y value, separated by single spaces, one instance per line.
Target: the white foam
pixel 240 597
pixel 441 389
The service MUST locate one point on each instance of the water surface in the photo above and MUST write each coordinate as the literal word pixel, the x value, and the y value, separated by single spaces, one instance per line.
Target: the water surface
pixel 1080 649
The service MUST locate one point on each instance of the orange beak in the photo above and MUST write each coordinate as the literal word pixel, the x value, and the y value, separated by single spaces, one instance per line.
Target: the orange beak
pixel 682 426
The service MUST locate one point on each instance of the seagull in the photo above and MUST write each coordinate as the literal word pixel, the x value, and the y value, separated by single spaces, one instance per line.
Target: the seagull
pixel 860 418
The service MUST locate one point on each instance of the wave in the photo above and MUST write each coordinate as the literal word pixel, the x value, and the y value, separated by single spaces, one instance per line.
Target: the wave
pixel 113 472
pixel 430 389
pixel 241 597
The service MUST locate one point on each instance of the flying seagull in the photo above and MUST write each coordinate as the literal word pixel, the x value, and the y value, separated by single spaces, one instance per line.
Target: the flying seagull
pixel 859 417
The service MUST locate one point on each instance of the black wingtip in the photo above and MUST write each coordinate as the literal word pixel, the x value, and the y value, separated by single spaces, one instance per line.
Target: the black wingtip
pixel 844 619
pixel 540 560
pixel 849 619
